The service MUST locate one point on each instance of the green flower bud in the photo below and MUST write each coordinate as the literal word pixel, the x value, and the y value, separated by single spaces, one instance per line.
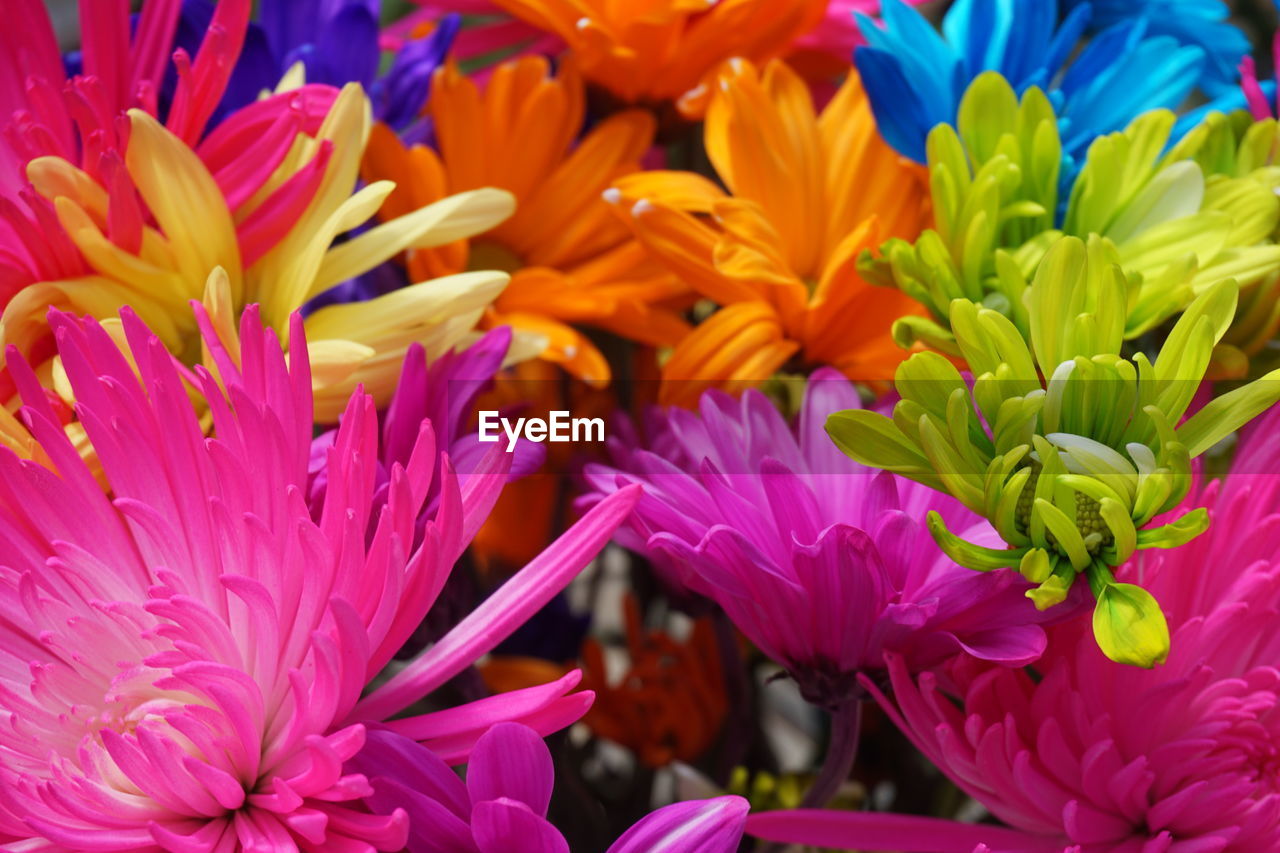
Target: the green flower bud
pixel 1063 442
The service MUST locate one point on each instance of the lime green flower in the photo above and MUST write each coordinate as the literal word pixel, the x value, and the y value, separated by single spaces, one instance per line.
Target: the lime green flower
pixel 1179 221
pixel 1068 447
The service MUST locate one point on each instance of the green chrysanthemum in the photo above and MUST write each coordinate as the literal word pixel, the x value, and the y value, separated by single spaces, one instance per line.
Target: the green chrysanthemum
pixel 1179 220
pixel 1067 446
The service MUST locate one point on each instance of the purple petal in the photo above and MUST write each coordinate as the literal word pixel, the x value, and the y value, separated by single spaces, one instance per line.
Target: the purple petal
pixel 511 761
pixel 828 391
pixel 347 48
pixel 432 827
pixel 387 755
pixel 501 826
pixel 697 826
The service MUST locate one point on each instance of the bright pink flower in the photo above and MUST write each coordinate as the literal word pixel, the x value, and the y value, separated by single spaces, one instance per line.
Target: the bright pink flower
pixel 838 33
pixel 502 805
pixel 1253 94
pixel 1089 756
pixel 823 563
pixel 183 665
pixel 81 119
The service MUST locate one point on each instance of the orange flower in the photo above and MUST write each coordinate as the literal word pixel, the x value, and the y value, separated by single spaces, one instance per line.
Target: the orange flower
pixel 657 52
pixel 779 255
pixel 572 260
pixel 670 703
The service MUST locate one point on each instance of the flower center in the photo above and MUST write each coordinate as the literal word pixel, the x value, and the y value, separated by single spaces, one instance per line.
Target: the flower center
pixel 1088 517
pixel 491 255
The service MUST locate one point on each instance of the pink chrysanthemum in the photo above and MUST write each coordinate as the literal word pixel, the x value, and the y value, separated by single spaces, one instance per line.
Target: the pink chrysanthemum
pixel 182 663
pixel 1088 756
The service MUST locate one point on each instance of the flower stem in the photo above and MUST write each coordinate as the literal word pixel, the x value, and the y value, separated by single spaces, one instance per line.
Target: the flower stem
pixel 842 751
pixel 738 727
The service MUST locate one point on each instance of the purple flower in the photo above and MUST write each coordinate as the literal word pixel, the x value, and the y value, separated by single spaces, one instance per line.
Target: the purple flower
pixel 824 564
pixel 502 805
pixel 337 41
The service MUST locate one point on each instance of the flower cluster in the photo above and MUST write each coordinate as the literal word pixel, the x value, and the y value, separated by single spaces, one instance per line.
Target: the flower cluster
pixel 920 489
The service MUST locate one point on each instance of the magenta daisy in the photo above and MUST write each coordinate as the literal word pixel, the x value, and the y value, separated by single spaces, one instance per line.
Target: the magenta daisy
pixel 185 664
pixel 824 564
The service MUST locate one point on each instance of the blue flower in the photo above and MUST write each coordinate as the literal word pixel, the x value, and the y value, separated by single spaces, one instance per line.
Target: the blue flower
pixel 915 76
pixel 337 43
pixel 1202 23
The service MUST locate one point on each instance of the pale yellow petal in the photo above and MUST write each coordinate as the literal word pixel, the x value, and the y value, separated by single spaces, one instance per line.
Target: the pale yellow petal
pixel 447 220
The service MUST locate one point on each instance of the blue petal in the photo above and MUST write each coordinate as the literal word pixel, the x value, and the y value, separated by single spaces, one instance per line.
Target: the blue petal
pixel 1227 103
pixel 1068 36
pixel 900 116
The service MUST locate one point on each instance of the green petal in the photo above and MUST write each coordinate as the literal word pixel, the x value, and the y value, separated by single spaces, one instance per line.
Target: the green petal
pixel 1035 566
pixel 1173 193
pixel 929 380
pixel 960 475
pixel 968 554
pixel 908 331
pixel 1226 414
pixel 1129 626
pixel 1203 235
pixel 1121 526
pixel 872 439
pixel 1175 533
pixel 1050 300
pixel 1064 529
pixel 1053 591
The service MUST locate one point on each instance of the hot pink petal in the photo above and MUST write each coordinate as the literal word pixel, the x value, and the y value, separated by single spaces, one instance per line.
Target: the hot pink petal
pixel 905 833
pixel 501 613
pixel 511 760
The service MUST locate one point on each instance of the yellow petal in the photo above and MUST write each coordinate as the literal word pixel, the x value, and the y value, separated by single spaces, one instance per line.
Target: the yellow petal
pixel 450 219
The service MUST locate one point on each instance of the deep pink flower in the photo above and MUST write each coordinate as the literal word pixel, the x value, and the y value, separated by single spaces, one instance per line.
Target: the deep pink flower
pixel 183 664
pixel 1089 756
pixel 502 805
pixel 1254 97
pixel 81 119
pixel 823 563
pixel 838 33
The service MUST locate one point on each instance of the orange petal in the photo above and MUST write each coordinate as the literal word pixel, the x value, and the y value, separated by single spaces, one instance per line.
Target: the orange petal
pixel 742 343
pixel 566 346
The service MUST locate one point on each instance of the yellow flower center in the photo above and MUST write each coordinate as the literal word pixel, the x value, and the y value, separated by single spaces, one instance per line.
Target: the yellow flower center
pixel 1088 517
pixel 491 255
